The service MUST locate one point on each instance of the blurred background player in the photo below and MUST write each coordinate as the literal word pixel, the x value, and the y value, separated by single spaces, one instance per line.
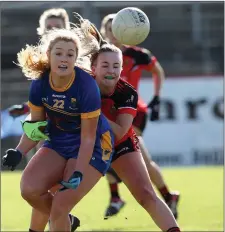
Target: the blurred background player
pixel 135 60
pixel 53 18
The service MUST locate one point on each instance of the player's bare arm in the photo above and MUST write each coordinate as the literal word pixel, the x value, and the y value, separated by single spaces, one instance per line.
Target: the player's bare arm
pixel 88 135
pixel 122 125
pixel 158 75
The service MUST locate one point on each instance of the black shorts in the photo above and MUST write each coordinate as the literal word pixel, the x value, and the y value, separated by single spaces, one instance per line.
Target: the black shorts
pixel 131 144
pixel 140 120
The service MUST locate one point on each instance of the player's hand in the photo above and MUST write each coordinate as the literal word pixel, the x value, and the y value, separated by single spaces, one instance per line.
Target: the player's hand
pixel 154 106
pixel 18 110
pixel 73 182
pixel 12 158
pixel 35 130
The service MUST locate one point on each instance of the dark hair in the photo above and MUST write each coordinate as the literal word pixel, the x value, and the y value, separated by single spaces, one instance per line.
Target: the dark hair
pixel 104 48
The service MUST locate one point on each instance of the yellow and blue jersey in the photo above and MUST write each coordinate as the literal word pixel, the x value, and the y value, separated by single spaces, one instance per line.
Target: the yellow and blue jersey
pixel 65 107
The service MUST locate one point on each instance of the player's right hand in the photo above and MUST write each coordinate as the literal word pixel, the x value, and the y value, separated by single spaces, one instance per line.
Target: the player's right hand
pixel 11 159
pixel 154 106
pixel 18 110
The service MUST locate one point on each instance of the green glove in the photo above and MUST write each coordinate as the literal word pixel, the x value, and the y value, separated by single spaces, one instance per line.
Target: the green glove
pixel 32 130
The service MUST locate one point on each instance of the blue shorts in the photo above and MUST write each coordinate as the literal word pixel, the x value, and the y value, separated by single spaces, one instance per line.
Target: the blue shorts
pixel 67 145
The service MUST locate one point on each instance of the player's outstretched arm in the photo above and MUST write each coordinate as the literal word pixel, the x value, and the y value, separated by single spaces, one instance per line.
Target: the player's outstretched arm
pixel 88 136
pixel 158 77
pixel 90 112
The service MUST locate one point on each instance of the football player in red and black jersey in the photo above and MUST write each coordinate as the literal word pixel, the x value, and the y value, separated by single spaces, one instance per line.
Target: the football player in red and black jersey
pixel 135 60
pixel 119 104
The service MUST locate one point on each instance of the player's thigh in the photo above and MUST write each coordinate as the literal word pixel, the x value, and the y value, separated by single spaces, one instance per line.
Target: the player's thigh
pixel 64 201
pixel 44 170
pixel 132 170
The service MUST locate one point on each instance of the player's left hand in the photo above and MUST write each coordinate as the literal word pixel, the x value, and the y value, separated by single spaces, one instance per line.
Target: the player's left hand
pixel 154 106
pixel 73 182
pixel 11 158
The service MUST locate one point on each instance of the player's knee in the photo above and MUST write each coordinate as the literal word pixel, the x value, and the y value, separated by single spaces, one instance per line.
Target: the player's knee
pixel 146 196
pixel 28 192
pixel 58 210
pixel 56 213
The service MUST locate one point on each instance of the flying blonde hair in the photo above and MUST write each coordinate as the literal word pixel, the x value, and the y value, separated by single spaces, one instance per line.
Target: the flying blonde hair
pixel 86 32
pixel 89 59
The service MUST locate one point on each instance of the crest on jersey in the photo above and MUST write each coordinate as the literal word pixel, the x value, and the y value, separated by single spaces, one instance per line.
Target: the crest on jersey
pixel 73 101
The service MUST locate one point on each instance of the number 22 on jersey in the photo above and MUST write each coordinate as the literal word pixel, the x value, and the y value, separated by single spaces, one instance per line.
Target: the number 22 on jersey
pixel 58 104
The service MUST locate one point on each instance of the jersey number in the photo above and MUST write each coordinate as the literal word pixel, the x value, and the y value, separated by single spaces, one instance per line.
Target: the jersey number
pixel 58 104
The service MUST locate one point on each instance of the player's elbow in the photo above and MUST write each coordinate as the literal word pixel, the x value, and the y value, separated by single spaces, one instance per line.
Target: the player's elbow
pixel 158 71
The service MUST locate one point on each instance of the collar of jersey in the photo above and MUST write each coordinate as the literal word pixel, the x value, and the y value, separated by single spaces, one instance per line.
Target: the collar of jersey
pixel 64 88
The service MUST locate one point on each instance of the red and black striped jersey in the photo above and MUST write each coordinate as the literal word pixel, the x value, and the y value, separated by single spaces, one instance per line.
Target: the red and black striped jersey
pixel 135 60
pixel 122 101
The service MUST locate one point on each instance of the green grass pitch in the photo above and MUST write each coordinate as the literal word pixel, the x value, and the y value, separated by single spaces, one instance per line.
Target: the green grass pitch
pixel 200 208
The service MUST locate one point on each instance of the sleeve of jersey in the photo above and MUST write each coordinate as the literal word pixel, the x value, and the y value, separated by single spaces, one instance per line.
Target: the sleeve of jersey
pixel 90 100
pixel 151 64
pixel 129 105
pixel 35 101
pixel 146 59
pixel 143 58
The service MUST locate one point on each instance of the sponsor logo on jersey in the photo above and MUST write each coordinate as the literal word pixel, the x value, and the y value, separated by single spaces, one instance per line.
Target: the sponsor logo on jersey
pixel 58 96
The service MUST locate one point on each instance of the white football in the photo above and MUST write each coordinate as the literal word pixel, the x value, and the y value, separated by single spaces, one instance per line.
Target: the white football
pixel 130 26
